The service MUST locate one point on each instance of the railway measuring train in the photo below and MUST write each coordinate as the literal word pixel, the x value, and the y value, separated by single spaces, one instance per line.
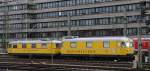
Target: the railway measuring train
pixel 91 46
pixel 98 46
pixel 34 47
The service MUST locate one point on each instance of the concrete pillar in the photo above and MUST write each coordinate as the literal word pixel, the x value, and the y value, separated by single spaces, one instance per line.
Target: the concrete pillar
pixel 146 59
pixel 135 62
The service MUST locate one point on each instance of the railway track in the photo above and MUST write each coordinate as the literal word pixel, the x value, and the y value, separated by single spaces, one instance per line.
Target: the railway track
pixel 65 67
pixel 22 64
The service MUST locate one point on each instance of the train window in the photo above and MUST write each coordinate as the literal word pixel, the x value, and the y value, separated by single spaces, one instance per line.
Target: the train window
pixel 58 45
pixel 149 44
pixel 14 45
pixel 10 46
pixel 33 45
pixel 73 44
pixel 23 45
pixel 123 44
pixel 131 44
pixel 89 44
pixel 44 45
pixel 106 44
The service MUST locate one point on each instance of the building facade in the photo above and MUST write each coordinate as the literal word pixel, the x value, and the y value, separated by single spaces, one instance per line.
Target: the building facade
pixel 34 19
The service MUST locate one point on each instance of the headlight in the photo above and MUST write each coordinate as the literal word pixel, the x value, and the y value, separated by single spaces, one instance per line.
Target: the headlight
pixel 128 44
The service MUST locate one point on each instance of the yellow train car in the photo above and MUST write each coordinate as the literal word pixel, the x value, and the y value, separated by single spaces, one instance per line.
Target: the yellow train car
pixel 99 46
pixel 34 47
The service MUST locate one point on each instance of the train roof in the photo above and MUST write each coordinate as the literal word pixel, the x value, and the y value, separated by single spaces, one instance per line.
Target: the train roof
pixel 99 38
pixel 142 38
pixel 35 41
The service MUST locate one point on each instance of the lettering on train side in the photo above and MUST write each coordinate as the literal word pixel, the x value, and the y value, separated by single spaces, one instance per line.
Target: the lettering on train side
pixel 81 51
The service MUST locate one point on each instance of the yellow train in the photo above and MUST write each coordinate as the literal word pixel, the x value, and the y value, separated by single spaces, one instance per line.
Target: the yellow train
pixel 96 46
pixel 34 47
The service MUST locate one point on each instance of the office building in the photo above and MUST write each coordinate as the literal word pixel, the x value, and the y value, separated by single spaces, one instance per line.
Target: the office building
pixel 42 19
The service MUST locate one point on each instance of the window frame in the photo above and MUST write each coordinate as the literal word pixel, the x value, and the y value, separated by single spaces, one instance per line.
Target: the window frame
pixel 33 44
pixel 123 44
pixel 106 44
pixel 89 42
pixel 74 44
pixel 14 45
pixel 44 45
pixel 24 45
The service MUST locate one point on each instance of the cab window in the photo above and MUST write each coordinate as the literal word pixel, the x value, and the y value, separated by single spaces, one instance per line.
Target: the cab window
pixel 106 44
pixel 14 45
pixel 89 44
pixel 129 44
pixel 44 45
pixel 73 44
pixel 123 44
pixel 33 45
pixel 24 45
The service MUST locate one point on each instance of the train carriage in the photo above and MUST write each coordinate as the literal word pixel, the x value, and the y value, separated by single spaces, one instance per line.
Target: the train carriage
pixel 145 44
pixel 99 46
pixel 34 47
pixel 117 47
pixel 145 47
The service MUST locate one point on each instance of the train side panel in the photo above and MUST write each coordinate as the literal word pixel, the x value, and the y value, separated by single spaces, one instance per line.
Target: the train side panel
pixel 96 49
pixel 40 48
pixel 145 44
